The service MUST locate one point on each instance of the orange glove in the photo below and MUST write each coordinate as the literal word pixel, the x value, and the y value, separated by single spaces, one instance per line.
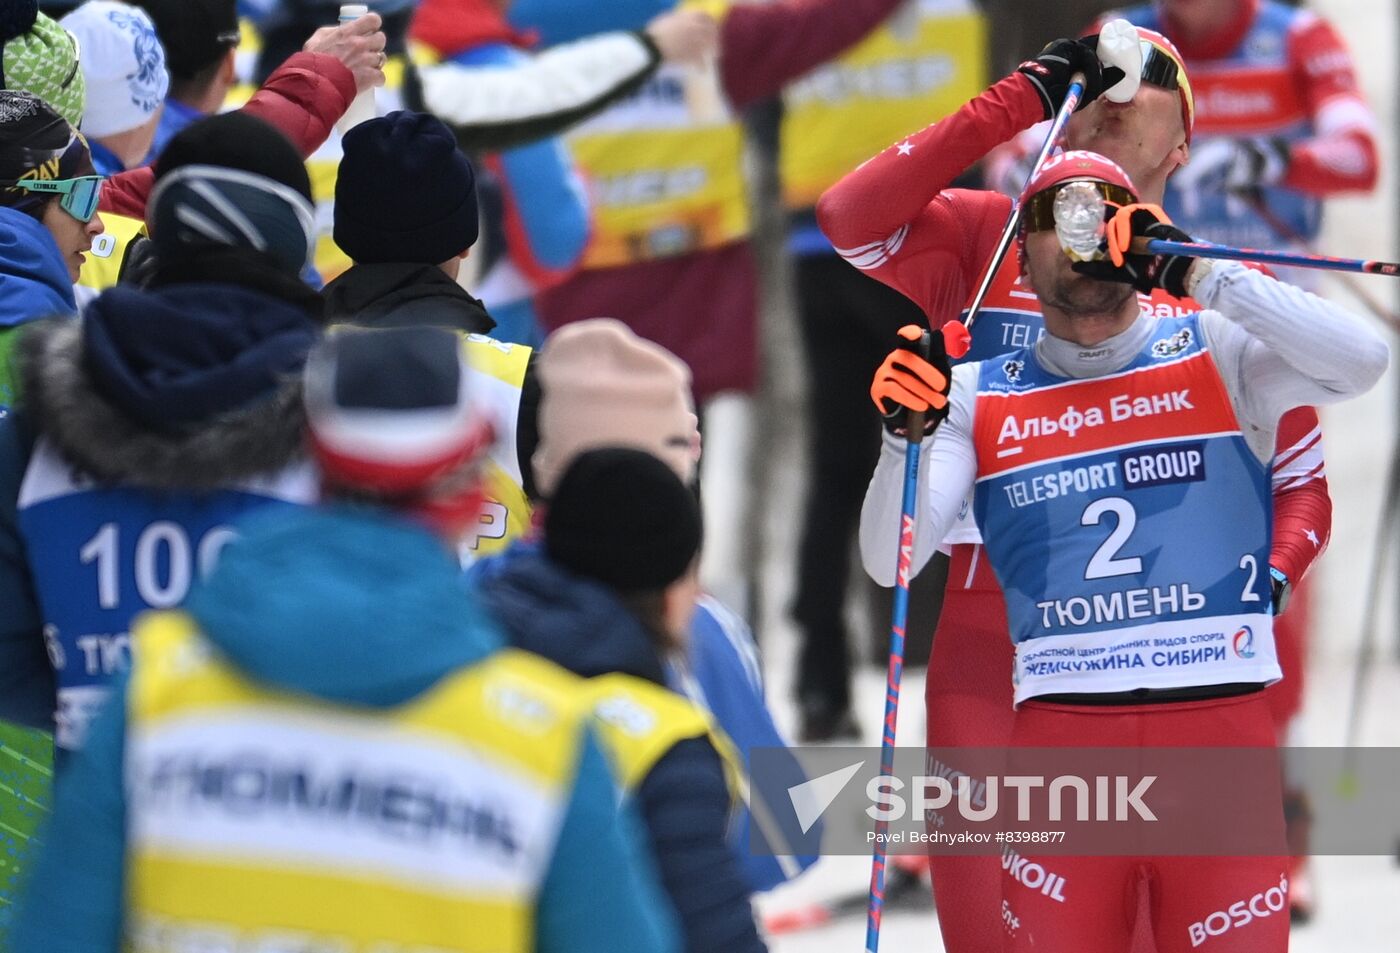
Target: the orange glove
pixel 1143 272
pixel 907 382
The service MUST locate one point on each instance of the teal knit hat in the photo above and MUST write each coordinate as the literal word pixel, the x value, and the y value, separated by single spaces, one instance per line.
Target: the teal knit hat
pixel 41 57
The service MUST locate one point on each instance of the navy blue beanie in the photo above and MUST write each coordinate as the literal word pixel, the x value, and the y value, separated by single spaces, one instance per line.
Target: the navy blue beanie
pixel 176 357
pixel 404 192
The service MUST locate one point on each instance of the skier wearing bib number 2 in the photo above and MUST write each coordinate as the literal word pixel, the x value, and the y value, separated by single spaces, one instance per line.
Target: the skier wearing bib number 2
pixel 896 218
pixel 1110 390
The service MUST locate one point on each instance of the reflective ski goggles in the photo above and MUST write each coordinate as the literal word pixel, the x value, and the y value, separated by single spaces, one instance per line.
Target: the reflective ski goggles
pixel 1038 214
pixel 79 196
pixel 1158 67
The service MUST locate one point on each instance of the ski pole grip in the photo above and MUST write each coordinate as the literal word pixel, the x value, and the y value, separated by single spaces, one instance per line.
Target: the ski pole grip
pixel 914 423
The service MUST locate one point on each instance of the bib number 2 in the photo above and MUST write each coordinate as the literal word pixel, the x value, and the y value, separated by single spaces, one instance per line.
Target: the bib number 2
pixel 1105 563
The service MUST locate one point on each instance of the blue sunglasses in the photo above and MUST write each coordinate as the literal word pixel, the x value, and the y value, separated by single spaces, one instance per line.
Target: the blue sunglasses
pixel 79 196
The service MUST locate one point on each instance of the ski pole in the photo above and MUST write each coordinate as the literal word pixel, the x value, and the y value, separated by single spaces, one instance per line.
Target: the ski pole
pixel 1119 47
pixel 1288 233
pixel 914 428
pixel 955 343
pixel 1158 246
pixel 1013 220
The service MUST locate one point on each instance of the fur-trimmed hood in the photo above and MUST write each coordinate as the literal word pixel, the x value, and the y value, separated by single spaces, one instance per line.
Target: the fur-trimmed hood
pixel 102 442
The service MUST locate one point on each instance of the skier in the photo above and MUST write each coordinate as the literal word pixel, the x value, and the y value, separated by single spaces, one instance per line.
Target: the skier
pixel 893 218
pixel 1283 125
pixel 1258 348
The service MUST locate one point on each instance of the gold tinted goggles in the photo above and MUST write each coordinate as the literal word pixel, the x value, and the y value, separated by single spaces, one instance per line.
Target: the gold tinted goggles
pixel 1038 214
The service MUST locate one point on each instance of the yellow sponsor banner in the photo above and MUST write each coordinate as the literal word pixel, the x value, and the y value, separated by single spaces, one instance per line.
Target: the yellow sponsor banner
pixel 659 192
pixel 904 76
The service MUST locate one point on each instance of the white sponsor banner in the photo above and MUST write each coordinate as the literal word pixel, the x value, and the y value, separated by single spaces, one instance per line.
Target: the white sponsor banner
pixel 1181 653
pixel 340 795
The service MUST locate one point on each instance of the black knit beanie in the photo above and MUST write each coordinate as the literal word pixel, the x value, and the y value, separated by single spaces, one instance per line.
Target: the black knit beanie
pixel 624 518
pixel 36 142
pixel 404 192
pixel 235 140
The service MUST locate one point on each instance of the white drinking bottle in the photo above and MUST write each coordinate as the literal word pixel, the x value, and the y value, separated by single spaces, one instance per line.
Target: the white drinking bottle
pixel 363 106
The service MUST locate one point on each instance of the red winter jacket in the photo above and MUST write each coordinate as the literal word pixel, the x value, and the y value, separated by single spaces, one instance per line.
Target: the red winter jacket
pixel 303 98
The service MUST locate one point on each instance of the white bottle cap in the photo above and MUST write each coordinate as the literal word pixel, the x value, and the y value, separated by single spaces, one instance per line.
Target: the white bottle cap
pixel 1120 46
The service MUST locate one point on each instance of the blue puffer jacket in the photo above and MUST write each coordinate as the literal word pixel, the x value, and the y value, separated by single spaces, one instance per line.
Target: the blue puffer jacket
pixel 34 284
pixel 684 800
pixel 361 609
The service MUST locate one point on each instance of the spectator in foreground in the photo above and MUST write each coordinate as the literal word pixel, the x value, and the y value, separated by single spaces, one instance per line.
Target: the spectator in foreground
pixel 610 596
pixel 515 842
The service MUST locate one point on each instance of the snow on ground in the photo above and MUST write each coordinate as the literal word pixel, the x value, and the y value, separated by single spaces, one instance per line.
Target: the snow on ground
pixel 1359 897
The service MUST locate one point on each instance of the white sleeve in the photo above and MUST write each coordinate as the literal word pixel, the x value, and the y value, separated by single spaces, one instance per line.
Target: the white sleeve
pixel 947 471
pixel 563 84
pixel 1280 347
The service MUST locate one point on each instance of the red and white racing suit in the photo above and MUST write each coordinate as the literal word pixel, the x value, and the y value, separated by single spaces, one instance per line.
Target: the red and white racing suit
pixel 894 219
pixel 1265 358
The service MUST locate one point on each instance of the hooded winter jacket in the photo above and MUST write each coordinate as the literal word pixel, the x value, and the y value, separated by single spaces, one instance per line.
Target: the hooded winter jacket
pixel 148 427
pixel 683 798
pixel 377 618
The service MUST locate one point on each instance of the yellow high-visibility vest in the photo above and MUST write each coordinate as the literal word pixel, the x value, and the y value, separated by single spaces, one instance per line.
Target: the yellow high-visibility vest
pixel 102 266
pixel 498 377
pixel 640 721
pixel 261 819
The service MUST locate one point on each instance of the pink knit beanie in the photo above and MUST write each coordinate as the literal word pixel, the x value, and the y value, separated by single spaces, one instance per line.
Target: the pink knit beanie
pixel 605 387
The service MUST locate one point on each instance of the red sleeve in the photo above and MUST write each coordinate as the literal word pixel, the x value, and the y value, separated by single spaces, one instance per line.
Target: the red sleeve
pixel 1302 504
pixel 126 192
pixel 304 97
pixel 892 218
pixel 1342 157
pixel 764 46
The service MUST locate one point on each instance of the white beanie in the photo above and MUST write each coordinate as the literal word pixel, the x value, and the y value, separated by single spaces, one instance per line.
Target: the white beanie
pixel 123 64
